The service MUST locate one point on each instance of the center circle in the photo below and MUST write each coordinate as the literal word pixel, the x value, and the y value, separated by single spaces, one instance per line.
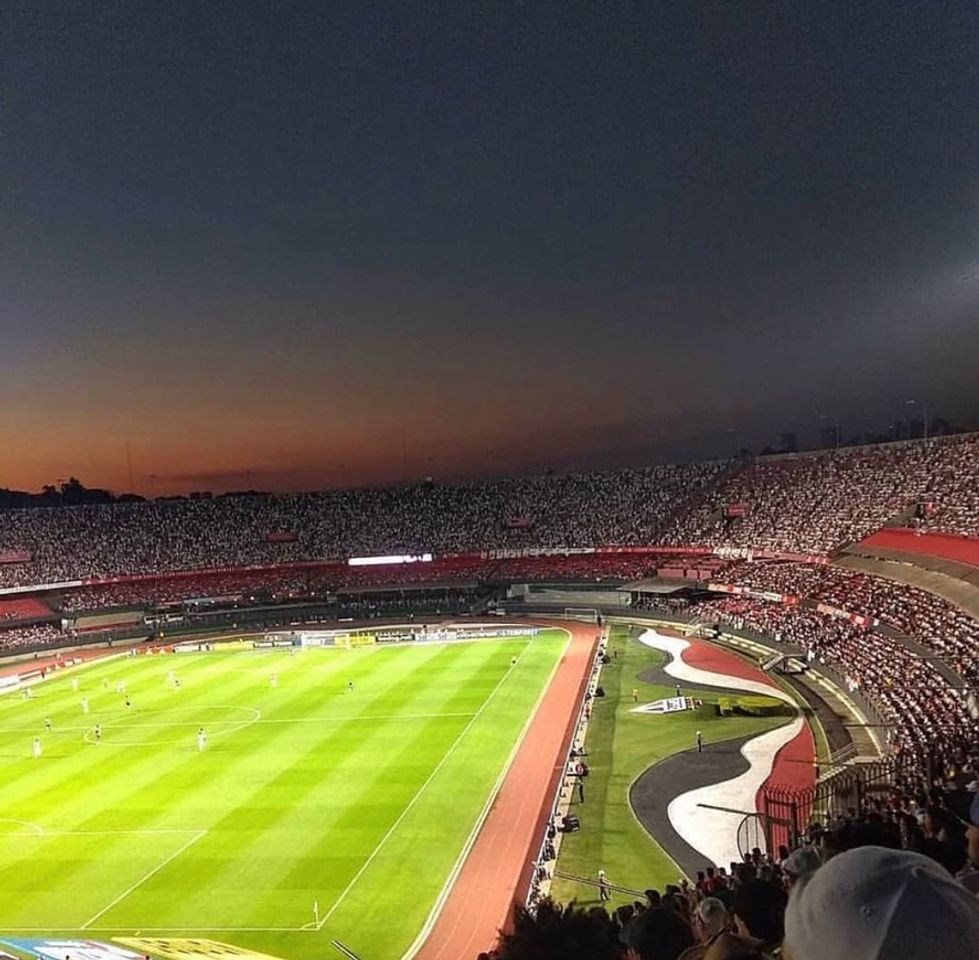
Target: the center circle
pixel 168 725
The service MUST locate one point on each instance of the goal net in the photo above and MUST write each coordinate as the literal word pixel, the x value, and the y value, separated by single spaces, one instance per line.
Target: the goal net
pixel 589 614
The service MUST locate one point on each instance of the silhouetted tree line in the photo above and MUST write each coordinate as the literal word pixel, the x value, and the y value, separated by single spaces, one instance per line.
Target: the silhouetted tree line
pixel 72 493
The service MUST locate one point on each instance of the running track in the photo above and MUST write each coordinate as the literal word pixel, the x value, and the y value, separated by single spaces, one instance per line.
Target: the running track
pixel 497 870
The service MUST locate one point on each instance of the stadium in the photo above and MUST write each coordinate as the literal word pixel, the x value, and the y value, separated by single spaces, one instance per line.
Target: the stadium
pixel 408 721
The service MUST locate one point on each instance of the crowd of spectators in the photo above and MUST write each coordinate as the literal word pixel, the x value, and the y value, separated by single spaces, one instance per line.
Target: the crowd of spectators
pixel 623 507
pixel 929 728
pixel 809 503
pixel 931 620
pixel 789 579
pixel 32 637
pixel 896 882
pixel 814 503
pixel 954 490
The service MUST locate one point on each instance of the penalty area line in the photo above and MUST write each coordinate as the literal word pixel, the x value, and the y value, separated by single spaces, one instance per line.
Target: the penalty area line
pixel 125 893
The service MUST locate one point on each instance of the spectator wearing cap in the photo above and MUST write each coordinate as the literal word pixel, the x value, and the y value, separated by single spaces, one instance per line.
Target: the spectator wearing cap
pixel 874 903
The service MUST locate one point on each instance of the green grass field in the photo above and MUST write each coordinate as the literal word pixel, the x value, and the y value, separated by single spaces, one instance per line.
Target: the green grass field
pixel 621 745
pixel 306 792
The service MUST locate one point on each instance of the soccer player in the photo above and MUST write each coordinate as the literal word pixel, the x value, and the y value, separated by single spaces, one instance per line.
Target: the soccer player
pixel 700 742
pixel 85 705
pixel 201 740
pixel 97 733
pixel 273 681
pixel 128 703
pixel 74 684
pixel 635 695
pixel 36 748
pixel 513 661
pixel 604 891
pixel 47 724
pixel 171 678
pixel 105 683
pixel 350 686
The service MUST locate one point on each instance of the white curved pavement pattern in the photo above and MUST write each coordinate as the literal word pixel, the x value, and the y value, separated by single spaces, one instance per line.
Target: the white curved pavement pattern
pixel 713 833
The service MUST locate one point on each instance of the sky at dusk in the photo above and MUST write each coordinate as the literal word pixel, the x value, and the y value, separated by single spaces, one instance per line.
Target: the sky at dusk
pixel 304 244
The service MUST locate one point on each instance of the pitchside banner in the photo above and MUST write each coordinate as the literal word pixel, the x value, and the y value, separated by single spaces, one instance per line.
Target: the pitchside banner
pixel 49 949
pixel 751 592
pixel 170 948
pixel 669 705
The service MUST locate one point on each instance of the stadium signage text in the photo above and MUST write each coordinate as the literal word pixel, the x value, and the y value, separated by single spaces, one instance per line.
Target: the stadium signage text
pixel 669 705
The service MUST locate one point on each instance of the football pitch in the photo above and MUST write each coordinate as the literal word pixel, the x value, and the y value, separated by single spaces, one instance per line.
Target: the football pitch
pixel 307 792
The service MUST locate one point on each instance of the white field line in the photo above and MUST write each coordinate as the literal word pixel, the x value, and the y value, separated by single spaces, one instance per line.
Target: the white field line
pixel 242 723
pixel 394 826
pixel 383 716
pixel 439 904
pixel 125 893
pixel 36 828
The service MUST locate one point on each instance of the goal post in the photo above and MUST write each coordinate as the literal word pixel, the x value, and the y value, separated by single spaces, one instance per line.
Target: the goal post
pixel 588 614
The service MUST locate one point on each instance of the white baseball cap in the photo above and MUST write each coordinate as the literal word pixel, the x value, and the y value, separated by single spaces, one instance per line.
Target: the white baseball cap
pixel 873 903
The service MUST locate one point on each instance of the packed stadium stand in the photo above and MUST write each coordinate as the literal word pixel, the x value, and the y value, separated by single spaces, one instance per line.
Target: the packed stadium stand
pixel 627 507
pixel 815 503
pixel 754 542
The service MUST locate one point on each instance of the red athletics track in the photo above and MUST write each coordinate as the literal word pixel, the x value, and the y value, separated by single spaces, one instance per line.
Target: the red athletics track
pixel 794 766
pixel 496 871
